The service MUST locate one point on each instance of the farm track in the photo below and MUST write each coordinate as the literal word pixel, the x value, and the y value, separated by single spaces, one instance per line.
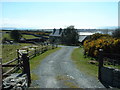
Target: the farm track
pixel 59 71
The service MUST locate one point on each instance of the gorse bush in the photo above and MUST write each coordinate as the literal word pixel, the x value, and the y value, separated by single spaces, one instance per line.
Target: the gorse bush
pixel 105 42
pixel 98 35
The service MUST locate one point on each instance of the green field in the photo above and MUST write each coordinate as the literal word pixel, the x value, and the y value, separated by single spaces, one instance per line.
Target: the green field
pixel 6 35
pixel 9 51
pixel 28 36
pixel 83 63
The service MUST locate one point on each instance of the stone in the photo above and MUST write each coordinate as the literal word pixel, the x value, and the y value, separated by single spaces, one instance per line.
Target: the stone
pixel 15 81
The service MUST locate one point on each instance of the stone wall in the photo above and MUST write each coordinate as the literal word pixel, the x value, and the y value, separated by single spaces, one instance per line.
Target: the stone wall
pixel 110 76
pixel 15 81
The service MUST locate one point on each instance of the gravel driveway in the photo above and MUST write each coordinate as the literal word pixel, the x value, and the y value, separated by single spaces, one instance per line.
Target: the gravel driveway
pixel 59 71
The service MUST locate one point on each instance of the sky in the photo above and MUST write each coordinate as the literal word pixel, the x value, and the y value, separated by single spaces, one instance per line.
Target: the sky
pixel 49 15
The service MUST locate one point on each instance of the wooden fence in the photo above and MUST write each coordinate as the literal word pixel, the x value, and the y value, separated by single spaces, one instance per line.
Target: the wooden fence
pixel 108 75
pixel 21 63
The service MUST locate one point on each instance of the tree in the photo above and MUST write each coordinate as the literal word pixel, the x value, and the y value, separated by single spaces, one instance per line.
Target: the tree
pixel 70 36
pixel 16 35
pixel 116 33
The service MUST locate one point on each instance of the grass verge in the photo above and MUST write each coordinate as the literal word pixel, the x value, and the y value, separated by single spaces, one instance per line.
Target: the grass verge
pixel 34 62
pixel 82 62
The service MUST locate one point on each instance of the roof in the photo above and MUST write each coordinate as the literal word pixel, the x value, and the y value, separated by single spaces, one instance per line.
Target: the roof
pixel 82 38
pixel 86 33
pixel 83 35
pixel 57 33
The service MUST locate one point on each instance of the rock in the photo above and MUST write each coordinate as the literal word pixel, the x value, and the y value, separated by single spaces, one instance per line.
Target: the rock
pixel 15 81
pixel 92 62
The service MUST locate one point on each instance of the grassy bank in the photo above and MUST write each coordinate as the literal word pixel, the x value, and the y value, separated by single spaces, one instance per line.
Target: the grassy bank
pixel 34 62
pixel 82 62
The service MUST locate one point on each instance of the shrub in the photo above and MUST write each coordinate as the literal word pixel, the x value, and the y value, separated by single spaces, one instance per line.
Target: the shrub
pixel 109 45
pixel 16 35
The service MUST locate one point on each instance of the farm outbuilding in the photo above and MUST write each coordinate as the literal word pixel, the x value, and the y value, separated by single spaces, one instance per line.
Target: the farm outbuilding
pixel 56 35
pixel 84 35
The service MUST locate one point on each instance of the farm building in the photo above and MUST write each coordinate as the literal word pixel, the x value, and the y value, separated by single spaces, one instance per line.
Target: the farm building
pixel 83 36
pixel 56 35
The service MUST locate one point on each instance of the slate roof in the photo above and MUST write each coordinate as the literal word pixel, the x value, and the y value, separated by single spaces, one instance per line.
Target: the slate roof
pixel 81 38
pixel 57 33
pixel 83 35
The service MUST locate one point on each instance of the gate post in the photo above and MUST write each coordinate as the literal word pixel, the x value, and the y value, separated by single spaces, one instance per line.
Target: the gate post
pixel 56 45
pixel 0 73
pixel 52 45
pixel 26 67
pixel 18 56
pixel 100 58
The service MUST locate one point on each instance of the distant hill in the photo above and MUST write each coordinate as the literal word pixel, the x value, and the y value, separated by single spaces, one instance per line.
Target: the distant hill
pixel 13 28
pixel 79 29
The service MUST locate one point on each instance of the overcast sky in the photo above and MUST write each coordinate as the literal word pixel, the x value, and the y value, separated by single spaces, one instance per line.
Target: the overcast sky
pixel 59 14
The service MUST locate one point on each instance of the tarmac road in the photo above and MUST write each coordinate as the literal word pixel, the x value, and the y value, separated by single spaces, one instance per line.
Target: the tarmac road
pixel 59 71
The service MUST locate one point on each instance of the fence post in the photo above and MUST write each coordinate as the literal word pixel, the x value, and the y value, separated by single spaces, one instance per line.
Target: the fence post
pixel 39 50
pixel 46 47
pixel 0 73
pixel 26 67
pixel 35 51
pixel 52 45
pixel 18 55
pixel 42 49
pixel 56 45
pixel 100 58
